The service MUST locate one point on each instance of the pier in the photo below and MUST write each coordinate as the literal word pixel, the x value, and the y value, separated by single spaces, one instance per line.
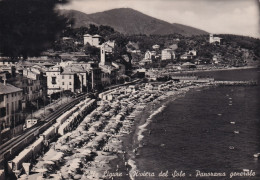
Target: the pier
pixel 237 83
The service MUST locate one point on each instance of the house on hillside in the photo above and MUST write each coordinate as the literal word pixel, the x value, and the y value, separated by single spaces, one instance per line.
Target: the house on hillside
pixel 213 39
pixel 156 47
pixel 167 54
pixel 92 40
pixel 186 56
pixel 149 55
pixel 192 52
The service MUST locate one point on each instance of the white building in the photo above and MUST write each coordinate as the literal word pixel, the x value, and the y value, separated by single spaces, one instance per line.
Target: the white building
pixel 111 43
pixel 105 49
pixel 168 54
pixel 53 79
pixel 92 40
pixel 10 105
pixel 156 47
pixel 192 52
pixel 213 39
pixel 186 56
pixel 149 55
pixel 74 77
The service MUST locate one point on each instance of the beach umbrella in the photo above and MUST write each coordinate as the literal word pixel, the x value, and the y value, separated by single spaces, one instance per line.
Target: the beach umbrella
pixel 57 157
pixel 42 170
pixel 49 162
pixel 77 176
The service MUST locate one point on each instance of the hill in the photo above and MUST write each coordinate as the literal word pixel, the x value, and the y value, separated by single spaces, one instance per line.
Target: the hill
pixel 130 21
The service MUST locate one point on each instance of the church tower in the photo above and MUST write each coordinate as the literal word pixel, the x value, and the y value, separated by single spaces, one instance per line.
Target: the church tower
pixel 211 38
pixel 102 55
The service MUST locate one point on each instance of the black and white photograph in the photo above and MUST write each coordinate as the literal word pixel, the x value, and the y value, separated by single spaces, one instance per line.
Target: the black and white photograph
pixel 129 89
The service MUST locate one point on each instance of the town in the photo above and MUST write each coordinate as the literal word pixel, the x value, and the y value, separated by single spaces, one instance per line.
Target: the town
pixel 100 64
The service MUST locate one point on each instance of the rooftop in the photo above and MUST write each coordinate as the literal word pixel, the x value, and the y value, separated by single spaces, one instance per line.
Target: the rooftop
pixel 8 88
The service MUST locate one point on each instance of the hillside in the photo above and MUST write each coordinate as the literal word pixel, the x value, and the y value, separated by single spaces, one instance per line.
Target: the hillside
pixel 129 21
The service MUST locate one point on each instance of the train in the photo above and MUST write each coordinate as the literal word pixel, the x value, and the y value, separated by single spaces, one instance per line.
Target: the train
pixel 46 134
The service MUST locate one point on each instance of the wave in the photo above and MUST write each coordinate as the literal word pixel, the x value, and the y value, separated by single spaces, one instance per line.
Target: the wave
pixel 142 128
pixel 133 168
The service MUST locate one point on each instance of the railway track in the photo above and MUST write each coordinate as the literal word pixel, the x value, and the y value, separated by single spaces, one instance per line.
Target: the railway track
pixel 7 147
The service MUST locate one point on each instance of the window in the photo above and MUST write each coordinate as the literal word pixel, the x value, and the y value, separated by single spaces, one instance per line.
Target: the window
pixel 1 98
pixel 53 80
pixel 70 83
pixel 62 83
pixel 7 108
pixel 62 77
pixel 7 96
pixel 2 112
pixel 70 77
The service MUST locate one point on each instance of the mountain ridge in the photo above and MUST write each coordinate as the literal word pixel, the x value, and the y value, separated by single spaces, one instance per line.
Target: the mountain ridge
pixel 130 21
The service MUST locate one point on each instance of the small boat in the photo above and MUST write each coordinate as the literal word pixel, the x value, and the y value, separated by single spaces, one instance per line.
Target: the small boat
pixel 230 104
pixel 236 132
pixel 257 155
pixel 219 114
pixel 231 147
pixel 232 122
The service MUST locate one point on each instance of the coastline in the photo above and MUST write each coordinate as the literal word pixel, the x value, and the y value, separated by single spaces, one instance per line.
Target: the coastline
pixel 217 69
pixel 132 142
pixel 143 104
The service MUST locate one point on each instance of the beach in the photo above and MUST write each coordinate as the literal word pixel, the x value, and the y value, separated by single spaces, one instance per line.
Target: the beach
pixel 104 143
pixel 112 140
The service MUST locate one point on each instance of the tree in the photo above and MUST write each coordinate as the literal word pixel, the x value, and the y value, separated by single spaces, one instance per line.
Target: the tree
pixel 29 27
pixel 91 50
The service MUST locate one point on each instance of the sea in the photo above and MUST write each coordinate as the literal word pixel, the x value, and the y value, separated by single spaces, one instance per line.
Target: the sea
pixel 210 133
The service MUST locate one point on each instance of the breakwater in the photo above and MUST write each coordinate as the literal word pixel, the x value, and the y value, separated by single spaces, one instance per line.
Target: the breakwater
pixel 231 83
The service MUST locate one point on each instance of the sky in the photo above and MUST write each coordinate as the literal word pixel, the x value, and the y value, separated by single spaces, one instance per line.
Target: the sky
pixel 214 16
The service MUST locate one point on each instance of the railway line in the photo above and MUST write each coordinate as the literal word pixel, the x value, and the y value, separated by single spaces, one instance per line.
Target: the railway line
pixel 13 146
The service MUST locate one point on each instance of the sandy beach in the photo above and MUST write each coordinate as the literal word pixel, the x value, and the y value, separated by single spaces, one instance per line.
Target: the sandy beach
pixel 106 142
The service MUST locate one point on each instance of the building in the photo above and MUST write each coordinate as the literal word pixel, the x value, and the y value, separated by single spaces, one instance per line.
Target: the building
pixel 120 68
pixel 156 47
pixel 111 43
pixel 10 105
pixel 217 58
pixel 149 55
pixel 6 62
pixel 188 65
pixel 192 52
pixel 167 54
pixel 173 46
pixel 213 39
pixel 186 56
pixel 74 77
pixel 105 49
pixel 108 75
pixel 53 79
pixel 92 40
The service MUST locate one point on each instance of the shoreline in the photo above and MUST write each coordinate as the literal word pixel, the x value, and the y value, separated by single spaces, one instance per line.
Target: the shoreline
pixel 217 69
pixel 114 151
pixel 141 126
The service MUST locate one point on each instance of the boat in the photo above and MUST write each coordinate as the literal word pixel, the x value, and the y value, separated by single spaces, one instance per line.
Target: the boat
pixel 257 155
pixel 232 122
pixel 219 114
pixel 231 147
pixel 236 132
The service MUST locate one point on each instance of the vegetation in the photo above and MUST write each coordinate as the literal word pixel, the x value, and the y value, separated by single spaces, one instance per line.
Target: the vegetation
pixel 28 27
